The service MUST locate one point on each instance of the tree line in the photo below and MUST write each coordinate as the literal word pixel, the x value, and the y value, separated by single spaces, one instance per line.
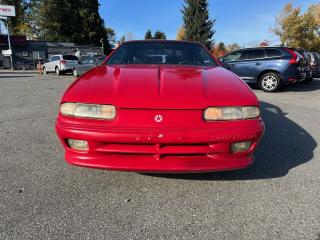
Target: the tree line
pixel 76 21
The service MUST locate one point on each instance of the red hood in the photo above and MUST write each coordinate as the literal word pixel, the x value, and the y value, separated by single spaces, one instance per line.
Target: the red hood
pixel 162 87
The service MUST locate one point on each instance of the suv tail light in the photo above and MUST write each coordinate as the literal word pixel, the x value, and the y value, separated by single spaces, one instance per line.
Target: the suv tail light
pixel 294 59
pixel 62 62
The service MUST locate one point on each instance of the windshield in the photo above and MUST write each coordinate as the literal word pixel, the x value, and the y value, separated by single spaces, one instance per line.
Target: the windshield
pixel 176 53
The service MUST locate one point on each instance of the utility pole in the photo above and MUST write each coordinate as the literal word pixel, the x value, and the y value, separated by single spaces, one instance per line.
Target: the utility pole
pixel 9 44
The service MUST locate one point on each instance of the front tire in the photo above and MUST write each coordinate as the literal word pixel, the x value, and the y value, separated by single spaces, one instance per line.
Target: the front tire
pixel 270 82
pixel 58 72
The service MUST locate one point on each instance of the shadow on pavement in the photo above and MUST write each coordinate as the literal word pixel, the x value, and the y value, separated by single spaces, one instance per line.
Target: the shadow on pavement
pixel 305 87
pixel 284 146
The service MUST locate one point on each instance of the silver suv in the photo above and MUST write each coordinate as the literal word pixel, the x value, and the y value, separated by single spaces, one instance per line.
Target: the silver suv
pixel 60 64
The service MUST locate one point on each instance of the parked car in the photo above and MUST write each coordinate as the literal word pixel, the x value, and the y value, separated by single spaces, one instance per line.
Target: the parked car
pixel 272 68
pixel 86 63
pixel 60 64
pixel 305 54
pixel 315 64
pixel 138 113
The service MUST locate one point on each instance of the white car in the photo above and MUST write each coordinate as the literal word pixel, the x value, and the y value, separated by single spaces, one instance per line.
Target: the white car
pixel 60 64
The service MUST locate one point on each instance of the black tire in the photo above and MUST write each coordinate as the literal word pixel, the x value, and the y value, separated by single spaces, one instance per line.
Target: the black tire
pixel 58 72
pixel 270 82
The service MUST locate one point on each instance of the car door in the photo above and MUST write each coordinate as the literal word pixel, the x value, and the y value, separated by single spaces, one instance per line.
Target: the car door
pixel 47 64
pixel 231 60
pixel 251 64
pixel 86 64
pixel 53 63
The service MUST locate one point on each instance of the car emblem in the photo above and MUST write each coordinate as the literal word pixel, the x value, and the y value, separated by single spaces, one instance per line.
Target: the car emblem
pixel 158 118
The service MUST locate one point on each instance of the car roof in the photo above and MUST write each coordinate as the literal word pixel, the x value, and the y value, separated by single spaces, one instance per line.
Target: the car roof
pixel 162 40
pixel 264 47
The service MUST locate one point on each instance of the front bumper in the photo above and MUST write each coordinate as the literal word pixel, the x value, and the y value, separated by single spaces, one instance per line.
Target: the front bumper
pixel 161 149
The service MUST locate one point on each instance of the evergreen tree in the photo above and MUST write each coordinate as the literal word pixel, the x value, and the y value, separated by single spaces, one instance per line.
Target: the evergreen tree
pixel 159 35
pixel 148 35
pixel 221 46
pixel 91 27
pixel 111 34
pixel 61 24
pixel 198 25
pixel 79 21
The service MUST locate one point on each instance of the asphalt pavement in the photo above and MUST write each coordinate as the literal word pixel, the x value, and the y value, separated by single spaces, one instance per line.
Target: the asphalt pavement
pixel 42 197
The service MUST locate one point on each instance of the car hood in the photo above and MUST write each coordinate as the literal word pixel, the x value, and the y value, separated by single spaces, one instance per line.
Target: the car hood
pixel 160 87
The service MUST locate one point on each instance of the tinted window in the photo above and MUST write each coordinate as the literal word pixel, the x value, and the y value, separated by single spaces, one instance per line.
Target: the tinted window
pixel 161 52
pixel 304 54
pixel 70 57
pixel 252 54
pixel 232 56
pixel 273 53
pixel 55 58
pixel 87 60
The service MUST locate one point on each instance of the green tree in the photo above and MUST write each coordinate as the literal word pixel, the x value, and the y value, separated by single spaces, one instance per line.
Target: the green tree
pixel 221 46
pixel 159 35
pixel 148 35
pixel 79 21
pixel 111 34
pixel 35 19
pixel 297 29
pixel 197 24
pixel 91 28
pixel 61 24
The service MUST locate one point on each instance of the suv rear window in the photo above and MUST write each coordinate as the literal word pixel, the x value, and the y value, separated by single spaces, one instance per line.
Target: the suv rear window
pixel 273 53
pixel 252 54
pixel 70 57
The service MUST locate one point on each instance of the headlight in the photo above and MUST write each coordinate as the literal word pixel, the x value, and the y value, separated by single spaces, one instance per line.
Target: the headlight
pixel 231 113
pixel 88 110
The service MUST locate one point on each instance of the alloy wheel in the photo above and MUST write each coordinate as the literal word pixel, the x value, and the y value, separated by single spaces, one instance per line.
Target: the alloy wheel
pixel 269 82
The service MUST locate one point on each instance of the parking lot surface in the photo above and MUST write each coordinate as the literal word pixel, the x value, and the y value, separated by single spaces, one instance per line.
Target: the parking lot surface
pixel 42 197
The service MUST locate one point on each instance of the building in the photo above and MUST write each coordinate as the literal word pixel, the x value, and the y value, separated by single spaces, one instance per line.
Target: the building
pixel 26 53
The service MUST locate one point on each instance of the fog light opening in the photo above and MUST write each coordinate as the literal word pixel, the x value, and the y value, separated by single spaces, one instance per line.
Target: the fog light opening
pixel 241 146
pixel 78 144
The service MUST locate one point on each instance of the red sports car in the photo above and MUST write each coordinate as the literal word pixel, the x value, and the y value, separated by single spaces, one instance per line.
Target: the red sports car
pixel 160 106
